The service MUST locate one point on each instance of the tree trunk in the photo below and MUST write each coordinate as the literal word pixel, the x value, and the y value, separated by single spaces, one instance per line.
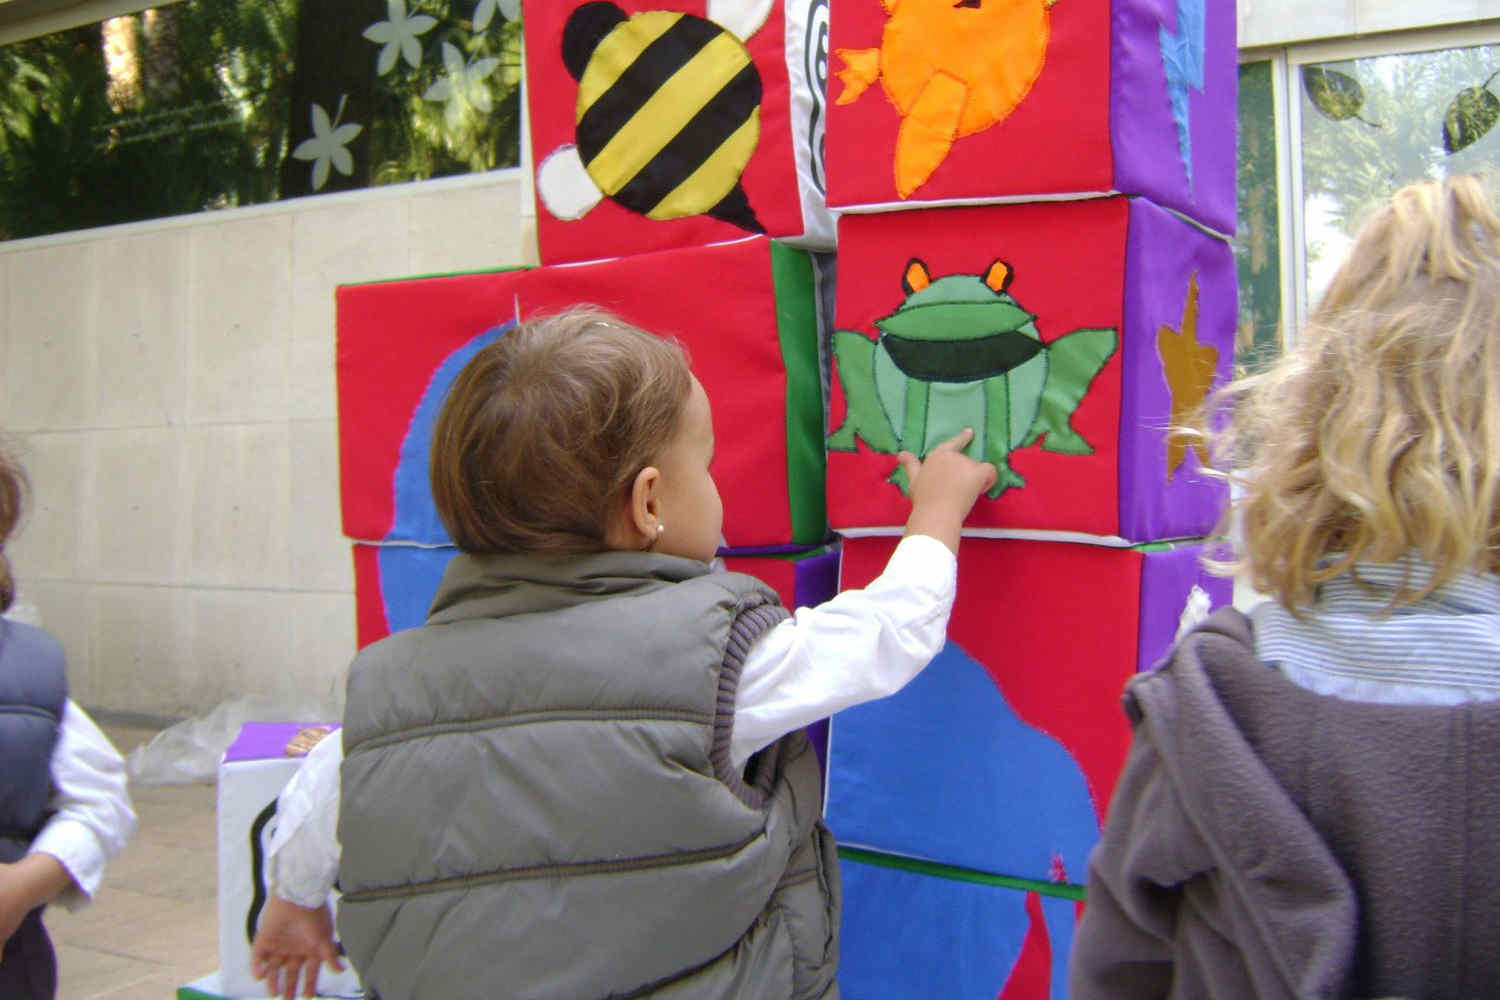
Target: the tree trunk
pixel 334 62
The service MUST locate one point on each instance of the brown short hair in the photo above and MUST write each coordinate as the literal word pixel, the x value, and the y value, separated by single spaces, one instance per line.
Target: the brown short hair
pixel 12 493
pixel 543 431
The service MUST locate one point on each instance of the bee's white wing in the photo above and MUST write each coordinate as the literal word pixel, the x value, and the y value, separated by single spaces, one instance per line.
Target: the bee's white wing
pixel 565 187
pixel 741 18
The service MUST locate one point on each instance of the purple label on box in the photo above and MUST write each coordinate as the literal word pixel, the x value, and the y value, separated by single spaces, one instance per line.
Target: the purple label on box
pixel 267 740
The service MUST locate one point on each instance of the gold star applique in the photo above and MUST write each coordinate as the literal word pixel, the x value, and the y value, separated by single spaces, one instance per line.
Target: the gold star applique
pixel 1189 368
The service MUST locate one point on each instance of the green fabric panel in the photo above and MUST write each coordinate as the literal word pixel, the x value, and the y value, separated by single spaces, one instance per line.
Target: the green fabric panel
pixel 438 274
pixel 1168 544
pixel 865 416
pixel 952 406
pixel 956 874
pixel 821 550
pixel 948 321
pixel 797 328
pixel 191 992
pixel 1024 386
pixel 892 386
pixel 918 396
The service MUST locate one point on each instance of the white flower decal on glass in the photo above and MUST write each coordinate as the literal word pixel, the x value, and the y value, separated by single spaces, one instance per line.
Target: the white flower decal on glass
pixel 327 144
pixel 462 86
pixel 398 36
pixel 484 12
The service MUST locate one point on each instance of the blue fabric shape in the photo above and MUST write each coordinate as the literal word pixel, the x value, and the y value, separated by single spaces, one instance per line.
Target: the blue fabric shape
pixel 1182 57
pixel 415 518
pixel 1060 917
pixel 909 935
pixel 945 770
pixel 409 577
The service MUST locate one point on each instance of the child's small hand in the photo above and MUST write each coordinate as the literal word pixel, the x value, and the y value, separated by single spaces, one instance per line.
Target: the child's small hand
pixel 26 884
pixel 15 903
pixel 293 942
pixel 944 488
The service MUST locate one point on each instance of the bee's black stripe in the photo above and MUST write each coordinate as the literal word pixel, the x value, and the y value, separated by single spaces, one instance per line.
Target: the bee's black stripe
pixel 691 148
pixel 652 67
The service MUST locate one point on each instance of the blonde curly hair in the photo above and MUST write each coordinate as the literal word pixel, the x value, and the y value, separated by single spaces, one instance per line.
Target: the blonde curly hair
pixel 1378 434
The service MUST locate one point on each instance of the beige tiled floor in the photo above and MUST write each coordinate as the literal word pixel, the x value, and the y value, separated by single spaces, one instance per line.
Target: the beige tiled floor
pixel 154 924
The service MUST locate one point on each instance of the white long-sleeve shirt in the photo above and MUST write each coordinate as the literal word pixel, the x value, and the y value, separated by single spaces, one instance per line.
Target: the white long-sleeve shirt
pixel 862 645
pixel 92 817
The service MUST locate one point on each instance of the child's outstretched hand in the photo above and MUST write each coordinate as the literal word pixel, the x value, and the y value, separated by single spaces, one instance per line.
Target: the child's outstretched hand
pixel 944 488
pixel 293 942
pixel 26 884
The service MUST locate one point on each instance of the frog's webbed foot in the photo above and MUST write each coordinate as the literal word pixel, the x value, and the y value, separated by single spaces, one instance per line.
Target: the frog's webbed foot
pixel 1005 478
pixel 899 478
pixel 861 68
pixel 927 131
pixel 1064 440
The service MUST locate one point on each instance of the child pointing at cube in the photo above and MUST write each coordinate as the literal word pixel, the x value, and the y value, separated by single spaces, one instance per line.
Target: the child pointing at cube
pixel 586 774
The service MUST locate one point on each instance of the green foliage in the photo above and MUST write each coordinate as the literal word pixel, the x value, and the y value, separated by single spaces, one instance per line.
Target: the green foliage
pixel 1337 95
pixel 1257 243
pixel 1472 113
pixel 411 140
pixel 205 121
pixel 1353 168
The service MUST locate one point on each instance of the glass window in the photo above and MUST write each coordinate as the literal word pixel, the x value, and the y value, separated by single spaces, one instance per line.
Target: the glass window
pixel 1370 126
pixel 213 103
pixel 1257 242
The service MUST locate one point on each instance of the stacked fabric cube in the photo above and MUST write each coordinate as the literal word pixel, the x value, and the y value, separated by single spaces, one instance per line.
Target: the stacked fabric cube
pixel 1033 199
pixel 708 109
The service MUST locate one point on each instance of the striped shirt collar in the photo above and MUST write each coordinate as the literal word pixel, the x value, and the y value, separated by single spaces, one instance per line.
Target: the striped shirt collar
pixel 1443 649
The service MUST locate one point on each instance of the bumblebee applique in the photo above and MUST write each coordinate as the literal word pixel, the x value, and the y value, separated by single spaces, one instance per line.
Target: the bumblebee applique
pixel 668 113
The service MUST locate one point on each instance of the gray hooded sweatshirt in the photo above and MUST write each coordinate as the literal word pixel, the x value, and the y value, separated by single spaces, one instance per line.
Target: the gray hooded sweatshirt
pixel 537 799
pixel 1266 841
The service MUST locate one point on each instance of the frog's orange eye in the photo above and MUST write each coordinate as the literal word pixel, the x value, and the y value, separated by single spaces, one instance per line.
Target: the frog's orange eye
pixel 916 277
pixel 998 276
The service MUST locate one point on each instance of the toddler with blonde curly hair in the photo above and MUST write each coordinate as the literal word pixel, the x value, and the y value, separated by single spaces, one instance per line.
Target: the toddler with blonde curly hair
pixel 1311 805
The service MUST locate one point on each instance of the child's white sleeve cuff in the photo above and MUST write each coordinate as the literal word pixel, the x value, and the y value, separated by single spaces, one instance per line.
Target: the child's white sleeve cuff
pixel 303 855
pixel 861 645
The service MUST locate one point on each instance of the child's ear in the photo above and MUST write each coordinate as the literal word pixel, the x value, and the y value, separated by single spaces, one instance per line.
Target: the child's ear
pixel 636 521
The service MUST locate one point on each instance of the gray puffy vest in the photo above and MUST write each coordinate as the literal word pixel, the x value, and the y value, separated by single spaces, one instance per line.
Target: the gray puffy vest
pixel 33 688
pixel 537 800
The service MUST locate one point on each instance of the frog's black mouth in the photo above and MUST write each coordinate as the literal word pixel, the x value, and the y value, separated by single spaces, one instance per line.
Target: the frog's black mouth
pixel 962 360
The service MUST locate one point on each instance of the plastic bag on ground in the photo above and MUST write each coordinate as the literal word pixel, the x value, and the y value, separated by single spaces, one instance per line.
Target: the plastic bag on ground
pixel 188 752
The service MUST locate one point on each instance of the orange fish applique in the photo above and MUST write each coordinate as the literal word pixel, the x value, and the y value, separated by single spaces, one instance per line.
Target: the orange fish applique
pixel 952 68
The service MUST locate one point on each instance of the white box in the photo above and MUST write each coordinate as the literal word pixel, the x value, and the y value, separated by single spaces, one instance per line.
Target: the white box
pixel 252 773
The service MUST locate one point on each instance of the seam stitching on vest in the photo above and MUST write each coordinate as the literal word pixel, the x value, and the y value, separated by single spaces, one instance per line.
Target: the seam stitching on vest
pixel 528 718
pixel 32 710
pixel 546 871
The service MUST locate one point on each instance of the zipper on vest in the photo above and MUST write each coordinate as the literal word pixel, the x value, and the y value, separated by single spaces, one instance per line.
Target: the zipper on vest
pixel 546 871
